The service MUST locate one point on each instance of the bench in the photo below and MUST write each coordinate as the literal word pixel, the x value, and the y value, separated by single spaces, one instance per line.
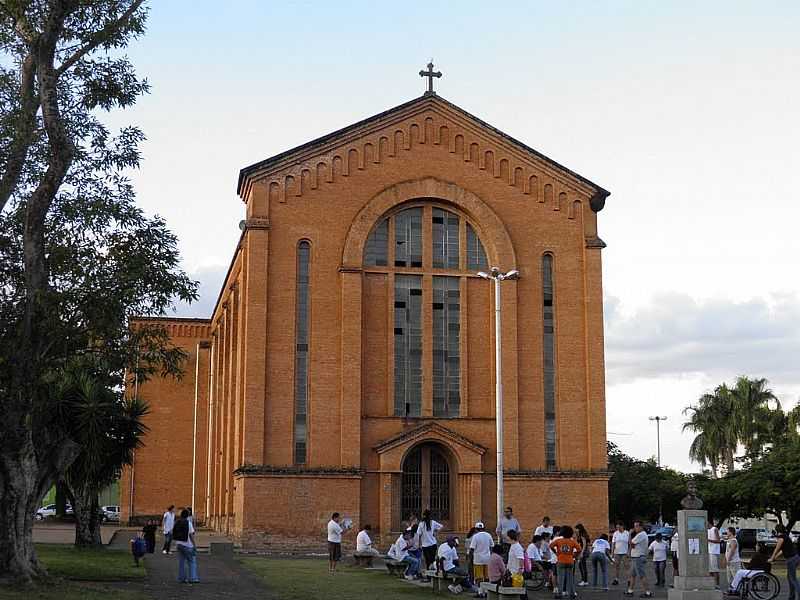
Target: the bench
pixel 363 559
pixel 440 580
pixel 395 567
pixel 494 592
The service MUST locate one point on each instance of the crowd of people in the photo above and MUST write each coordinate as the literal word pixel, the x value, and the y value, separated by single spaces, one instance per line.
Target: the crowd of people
pixel 566 557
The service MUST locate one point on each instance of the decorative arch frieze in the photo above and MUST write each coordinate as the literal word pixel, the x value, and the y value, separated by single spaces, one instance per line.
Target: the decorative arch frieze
pixel 434 129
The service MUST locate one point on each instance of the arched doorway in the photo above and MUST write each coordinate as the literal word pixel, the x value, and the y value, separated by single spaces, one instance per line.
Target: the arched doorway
pixel 426 483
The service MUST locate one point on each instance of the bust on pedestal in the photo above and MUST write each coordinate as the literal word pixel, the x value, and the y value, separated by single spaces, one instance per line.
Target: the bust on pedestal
pixel 694 582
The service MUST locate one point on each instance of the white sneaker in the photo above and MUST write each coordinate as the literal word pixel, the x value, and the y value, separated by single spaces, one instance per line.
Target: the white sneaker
pixel 459 589
pixel 409 578
pixel 583 583
pixel 452 588
pixel 163 552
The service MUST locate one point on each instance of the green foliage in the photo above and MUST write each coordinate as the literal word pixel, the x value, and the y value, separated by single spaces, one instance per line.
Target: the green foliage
pixel 640 489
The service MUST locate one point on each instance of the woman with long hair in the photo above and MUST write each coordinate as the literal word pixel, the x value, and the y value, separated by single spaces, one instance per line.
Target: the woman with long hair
pixel 586 549
pixel 426 533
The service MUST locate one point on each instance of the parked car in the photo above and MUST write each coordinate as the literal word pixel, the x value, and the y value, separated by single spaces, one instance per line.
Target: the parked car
pixel 110 512
pixel 765 540
pixel 667 531
pixel 45 512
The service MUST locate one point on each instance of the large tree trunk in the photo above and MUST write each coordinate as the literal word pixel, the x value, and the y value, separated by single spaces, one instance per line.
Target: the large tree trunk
pixel 87 520
pixel 61 499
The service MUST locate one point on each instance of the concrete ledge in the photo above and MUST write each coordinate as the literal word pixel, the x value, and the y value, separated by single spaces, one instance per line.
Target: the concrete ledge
pixel 221 549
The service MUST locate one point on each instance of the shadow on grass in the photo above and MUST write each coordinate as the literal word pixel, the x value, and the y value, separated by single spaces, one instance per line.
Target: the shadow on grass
pixel 299 579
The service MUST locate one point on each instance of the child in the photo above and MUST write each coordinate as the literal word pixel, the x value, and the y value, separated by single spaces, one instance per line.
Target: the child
pixel 566 550
pixel 138 548
pixel 496 565
pixel 149 532
pixel 659 549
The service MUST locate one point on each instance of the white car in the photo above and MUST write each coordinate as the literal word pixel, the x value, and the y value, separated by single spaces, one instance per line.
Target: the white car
pixel 45 511
pixel 110 512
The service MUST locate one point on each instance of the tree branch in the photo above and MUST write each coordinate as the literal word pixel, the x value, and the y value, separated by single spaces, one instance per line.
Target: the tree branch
pixel 99 37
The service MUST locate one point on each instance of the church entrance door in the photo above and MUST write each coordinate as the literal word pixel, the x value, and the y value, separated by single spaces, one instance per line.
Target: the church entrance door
pixel 426 483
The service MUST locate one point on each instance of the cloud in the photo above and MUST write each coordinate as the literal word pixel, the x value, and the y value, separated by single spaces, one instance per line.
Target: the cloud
pixel 210 279
pixel 677 335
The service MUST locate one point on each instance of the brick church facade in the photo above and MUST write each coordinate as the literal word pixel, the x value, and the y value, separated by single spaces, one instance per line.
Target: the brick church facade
pixel 349 362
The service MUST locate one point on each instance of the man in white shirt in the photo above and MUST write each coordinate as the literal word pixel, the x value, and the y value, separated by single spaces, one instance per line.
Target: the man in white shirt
pixel 447 555
pixel 639 545
pixel 364 542
pixel 480 551
pixel 714 546
pixel 545 527
pixel 167 523
pixel 399 552
pixel 335 531
pixel 619 547
pixel 516 554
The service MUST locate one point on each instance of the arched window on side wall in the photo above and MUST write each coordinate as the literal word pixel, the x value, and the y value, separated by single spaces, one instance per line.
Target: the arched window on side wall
pixel 301 354
pixel 549 363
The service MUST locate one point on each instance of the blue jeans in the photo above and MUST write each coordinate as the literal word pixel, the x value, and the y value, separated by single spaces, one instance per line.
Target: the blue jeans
pixel 791 576
pixel 413 565
pixel 187 554
pixel 600 563
pixel 566 579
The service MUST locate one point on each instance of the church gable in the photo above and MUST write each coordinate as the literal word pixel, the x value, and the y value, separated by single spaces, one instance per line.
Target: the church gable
pixel 427 120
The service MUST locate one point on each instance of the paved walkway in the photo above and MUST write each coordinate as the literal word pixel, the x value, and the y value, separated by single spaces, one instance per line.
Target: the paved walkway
pixel 219 578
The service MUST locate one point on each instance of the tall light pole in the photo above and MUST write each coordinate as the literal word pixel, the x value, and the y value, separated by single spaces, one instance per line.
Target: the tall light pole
pixel 498 276
pixel 658 420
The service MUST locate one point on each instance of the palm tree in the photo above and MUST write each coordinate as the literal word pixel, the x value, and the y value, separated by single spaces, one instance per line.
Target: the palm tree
pixel 754 409
pixel 108 428
pixel 716 441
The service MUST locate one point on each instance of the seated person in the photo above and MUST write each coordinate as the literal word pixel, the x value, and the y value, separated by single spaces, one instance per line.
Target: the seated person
pixel 364 542
pixel 447 559
pixel 496 565
pixel 399 552
pixel 758 564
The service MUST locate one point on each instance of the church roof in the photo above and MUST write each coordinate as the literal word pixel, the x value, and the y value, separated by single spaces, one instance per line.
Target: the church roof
pixel 598 200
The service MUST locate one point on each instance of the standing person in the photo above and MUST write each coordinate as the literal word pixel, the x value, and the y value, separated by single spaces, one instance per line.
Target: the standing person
pixel 601 554
pixel 786 545
pixel 516 558
pixel 183 534
pixel 167 523
pixel 566 549
pixel 582 537
pixel 364 542
pixel 480 552
pixel 659 549
pixel 149 533
pixel 620 542
pixel 335 531
pixel 732 558
pixel 547 562
pixel 448 555
pixel 544 527
pixel 639 561
pixel 426 534
pixel 508 522
pixel 714 546
pixel 674 544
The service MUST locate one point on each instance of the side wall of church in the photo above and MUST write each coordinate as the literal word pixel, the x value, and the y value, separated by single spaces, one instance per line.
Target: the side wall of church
pixel 162 473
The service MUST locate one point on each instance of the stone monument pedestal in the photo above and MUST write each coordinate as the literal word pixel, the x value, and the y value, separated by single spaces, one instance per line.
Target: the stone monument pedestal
pixel 694 582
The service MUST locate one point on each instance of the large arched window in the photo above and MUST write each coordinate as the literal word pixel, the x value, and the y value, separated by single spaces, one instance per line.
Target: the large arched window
pixel 429 249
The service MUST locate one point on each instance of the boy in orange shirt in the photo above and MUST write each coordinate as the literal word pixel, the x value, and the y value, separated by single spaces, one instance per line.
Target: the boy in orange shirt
pixel 566 550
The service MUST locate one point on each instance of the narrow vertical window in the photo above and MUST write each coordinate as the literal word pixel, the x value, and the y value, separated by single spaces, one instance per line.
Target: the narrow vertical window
pixel 476 255
pixel 376 251
pixel 408 238
pixel 548 346
pixel 301 355
pixel 446 359
pixel 445 239
pixel 408 345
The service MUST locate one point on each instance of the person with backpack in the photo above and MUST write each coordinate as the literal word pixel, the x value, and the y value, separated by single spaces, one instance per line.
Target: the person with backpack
pixel 183 535
pixel 138 548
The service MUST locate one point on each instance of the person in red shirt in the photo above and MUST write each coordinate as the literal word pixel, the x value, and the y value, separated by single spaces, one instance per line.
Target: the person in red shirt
pixel 566 550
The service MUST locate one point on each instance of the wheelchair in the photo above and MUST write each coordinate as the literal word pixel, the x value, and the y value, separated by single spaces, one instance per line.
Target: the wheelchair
pixel 761 586
pixel 535 578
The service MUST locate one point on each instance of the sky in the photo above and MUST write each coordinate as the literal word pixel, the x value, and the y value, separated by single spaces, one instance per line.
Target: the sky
pixel 685 111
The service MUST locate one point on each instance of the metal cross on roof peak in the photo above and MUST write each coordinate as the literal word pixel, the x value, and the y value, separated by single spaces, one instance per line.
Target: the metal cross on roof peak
pixel 430 74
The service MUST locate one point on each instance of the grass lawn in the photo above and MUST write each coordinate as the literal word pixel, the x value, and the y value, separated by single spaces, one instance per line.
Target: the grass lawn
pixel 300 579
pixel 83 575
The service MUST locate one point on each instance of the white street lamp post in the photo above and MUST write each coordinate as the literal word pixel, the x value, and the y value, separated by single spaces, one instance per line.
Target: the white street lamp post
pixel 658 420
pixel 499 276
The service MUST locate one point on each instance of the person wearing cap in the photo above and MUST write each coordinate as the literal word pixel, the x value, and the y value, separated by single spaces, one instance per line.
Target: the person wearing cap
pixel 480 551
pixel 447 558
